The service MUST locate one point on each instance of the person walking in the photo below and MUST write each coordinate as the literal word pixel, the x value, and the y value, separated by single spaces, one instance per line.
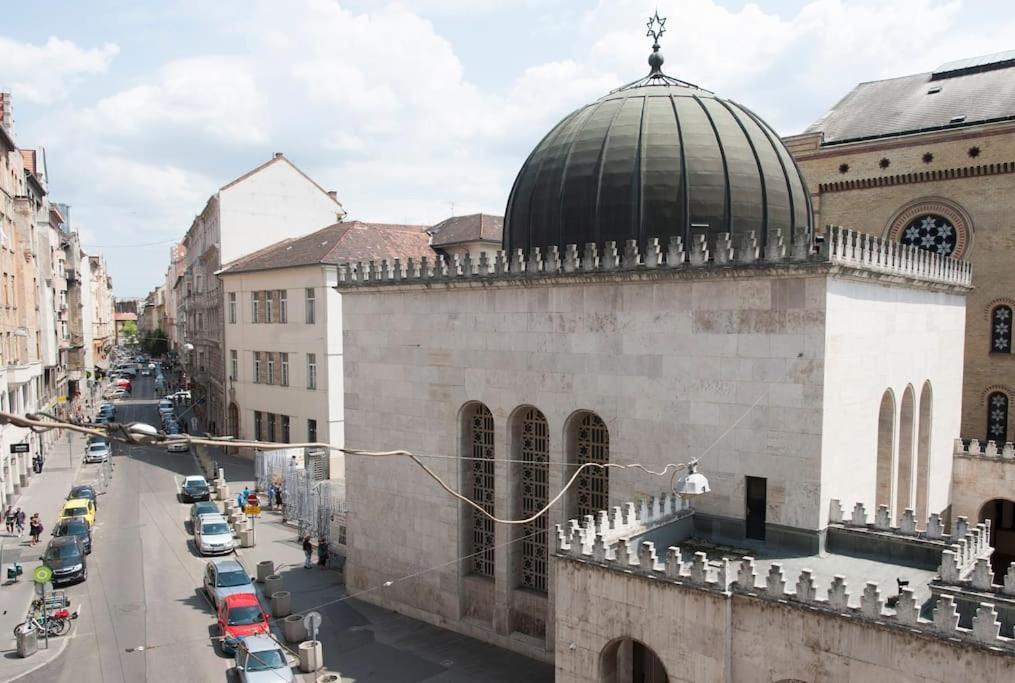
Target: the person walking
pixel 271 496
pixel 9 518
pixel 241 500
pixel 35 528
pixel 322 552
pixel 19 522
pixel 308 552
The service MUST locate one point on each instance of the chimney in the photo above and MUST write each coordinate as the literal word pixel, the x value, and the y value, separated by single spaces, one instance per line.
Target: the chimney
pixel 333 195
pixel 6 113
pixel 278 155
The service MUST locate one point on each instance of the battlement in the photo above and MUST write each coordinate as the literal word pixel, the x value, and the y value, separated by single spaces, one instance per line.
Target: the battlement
pixel 975 448
pixel 839 246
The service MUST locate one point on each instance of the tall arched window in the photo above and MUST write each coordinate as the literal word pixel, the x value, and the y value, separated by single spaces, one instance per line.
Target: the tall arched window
pixel 886 445
pixel 1000 329
pixel 591 443
pixel 534 452
pixel 997 417
pixel 478 442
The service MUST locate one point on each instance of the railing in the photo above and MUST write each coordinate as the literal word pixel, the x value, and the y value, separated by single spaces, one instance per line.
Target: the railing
pixel 985 449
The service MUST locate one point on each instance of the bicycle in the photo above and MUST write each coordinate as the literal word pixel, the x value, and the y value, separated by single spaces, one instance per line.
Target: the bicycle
pixel 53 625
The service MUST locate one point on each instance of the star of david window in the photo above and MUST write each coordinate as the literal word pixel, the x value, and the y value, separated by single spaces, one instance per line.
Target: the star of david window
pixel 592 488
pixel 534 492
pixel 997 417
pixel 1000 329
pixel 480 483
pixel 930 232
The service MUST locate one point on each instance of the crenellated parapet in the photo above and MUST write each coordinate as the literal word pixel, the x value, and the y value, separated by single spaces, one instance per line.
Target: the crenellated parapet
pixel 974 448
pixel 839 246
pixel 598 533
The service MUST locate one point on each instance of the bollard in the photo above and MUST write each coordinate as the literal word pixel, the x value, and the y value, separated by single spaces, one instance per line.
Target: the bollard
pixel 247 538
pixel 265 568
pixel 293 628
pixel 223 492
pixel 311 656
pixel 281 604
pixel 272 584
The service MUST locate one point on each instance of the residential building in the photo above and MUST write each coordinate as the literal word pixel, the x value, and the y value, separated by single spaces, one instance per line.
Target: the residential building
pixel 103 329
pixel 472 234
pixel 174 273
pixel 274 200
pixel 283 330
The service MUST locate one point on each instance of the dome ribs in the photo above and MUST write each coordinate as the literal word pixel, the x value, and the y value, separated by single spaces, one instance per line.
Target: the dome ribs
pixel 727 218
pixel 597 228
pixel 761 170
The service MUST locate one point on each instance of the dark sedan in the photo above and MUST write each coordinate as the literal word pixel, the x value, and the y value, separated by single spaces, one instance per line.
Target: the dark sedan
pixel 76 527
pixel 86 491
pixel 194 490
pixel 66 557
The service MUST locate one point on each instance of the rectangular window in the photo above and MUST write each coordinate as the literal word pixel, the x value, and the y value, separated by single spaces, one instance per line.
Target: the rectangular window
pixel 283 306
pixel 311 302
pixel 312 431
pixel 253 308
pixel 271 427
pixel 269 312
pixel 257 425
pixel 284 363
pixel 234 365
pixel 257 367
pixel 232 307
pixel 285 428
pixel 271 368
pixel 311 371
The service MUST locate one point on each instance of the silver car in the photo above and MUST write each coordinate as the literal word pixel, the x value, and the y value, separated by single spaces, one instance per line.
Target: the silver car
pixel 213 536
pixel 224 577
pixel 97 452
pixel 260 659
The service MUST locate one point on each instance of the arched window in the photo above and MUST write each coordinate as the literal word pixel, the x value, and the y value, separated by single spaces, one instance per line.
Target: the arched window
pixel 534 452
pixel 886 442
pixel 997 417
pixel 1000 329
pixel 478 442
pixel 591 443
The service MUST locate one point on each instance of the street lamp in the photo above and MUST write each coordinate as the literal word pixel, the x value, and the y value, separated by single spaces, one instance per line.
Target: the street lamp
pixel 695 483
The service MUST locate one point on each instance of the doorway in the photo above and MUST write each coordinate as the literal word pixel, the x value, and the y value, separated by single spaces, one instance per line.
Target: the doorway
pixel 756 504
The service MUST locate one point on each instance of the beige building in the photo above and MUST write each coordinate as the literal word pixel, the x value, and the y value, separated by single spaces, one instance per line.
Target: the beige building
pixel 274 200
pixel 283 329
pixel 103 327
pixel 472 234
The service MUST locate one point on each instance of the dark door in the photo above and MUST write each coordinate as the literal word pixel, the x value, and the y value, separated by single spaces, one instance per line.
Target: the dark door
pixel 757 495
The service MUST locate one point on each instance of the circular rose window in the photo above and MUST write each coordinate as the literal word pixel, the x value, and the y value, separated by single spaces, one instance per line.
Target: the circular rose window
pixel 930 232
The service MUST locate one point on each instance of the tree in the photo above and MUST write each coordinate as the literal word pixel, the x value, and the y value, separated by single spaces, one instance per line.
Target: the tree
pixel 155 343
pixel 128 333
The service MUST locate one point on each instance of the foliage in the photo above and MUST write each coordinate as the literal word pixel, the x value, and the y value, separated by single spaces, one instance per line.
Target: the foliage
pixel 128 331
pixel 155 342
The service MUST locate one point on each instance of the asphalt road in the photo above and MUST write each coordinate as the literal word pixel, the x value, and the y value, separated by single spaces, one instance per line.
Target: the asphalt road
pixel 143 576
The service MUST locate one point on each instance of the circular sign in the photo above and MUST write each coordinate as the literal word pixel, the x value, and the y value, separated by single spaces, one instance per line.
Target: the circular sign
pixel 42 574
pixel 312 621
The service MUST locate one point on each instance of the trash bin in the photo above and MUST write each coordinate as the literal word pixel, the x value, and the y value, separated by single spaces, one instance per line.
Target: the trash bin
pixel 28 641
pixel 311 655
pixel 293 628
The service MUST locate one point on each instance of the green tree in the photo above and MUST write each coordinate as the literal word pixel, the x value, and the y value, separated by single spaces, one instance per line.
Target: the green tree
pixel 128 333
pixel 155 343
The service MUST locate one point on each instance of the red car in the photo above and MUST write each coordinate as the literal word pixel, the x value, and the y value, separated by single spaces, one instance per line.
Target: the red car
pixel 125 383
pixel 240 615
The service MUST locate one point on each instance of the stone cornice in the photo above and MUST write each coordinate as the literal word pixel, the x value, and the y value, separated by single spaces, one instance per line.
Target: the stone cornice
pixel 918 177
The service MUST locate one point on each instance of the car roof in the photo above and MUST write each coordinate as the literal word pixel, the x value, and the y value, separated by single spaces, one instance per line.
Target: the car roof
pixel 98 444
pixel 83 487
pixel 193 477
pixel 259 643
pixel 64 540
pixel 212 517
pixel 206 503
pixel 227 564
pixel 241 600
pixel 67 521
pixel 73 502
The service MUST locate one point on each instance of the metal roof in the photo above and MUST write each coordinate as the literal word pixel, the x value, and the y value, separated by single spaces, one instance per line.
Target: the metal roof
pixel 997 60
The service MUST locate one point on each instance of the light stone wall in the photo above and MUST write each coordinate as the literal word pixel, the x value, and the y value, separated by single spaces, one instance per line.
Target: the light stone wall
pixel 702 635
pixel 979 480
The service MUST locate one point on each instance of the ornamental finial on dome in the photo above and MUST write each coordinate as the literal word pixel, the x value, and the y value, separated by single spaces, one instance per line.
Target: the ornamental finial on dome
pixel 656 28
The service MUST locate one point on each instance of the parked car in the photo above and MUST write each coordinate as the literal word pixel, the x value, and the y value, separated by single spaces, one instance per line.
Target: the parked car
pixel 213 536
pixel 259 659
pixel 225 576
pixel 103 419
pixel 107 410
pixel 66 557
pixel 76 527
pixel 239 616
pixel 205 507
pixel 180 446
pixel 181 396
pixel 79 507
pixel 146 371
pixel 115 393
pixel 193 489
pixel 86 491
pixel 97 452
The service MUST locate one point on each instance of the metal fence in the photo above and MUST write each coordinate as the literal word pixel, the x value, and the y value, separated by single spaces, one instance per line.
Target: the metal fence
pixel 310 500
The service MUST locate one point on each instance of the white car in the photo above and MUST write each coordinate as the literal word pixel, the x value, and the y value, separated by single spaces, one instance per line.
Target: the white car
pixel 213 536
pixel 180 446
pixel 97 452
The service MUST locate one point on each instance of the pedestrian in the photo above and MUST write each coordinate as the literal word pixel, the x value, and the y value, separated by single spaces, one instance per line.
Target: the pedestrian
pixel 246 492
pixel 19 521
pixel 271 496
pixel 240 500
pixel 308 551
pixel 9 518
pixel 35 528
pixel 322 552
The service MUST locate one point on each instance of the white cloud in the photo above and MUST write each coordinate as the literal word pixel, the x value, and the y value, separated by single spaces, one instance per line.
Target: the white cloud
pixel 45 73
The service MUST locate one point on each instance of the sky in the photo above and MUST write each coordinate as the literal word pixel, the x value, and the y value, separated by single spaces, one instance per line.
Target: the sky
pixel 412 111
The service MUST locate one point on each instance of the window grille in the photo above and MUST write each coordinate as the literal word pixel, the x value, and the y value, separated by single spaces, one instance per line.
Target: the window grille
pixel 1000 329
pixel 481 489
pixel 592 489
pixel 997 417
pixel 535 456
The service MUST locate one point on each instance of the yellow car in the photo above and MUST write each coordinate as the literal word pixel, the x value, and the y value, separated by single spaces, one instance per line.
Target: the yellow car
pixel 79 507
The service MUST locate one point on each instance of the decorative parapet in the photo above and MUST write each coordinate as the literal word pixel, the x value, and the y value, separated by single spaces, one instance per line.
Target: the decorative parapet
pixel 589 542
pixel 961 552
pixel 838 247
pixel 974 448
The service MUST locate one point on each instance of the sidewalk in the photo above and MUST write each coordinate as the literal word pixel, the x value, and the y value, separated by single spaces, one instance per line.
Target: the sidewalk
pixel 44 495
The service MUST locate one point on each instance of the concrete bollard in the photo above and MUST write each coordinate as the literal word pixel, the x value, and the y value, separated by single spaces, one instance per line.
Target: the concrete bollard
pixel 281 604
pixel 223 492
pixel 272 584
pixel 293 629
pixel 311 656
pixel 265 568
pixel 247 538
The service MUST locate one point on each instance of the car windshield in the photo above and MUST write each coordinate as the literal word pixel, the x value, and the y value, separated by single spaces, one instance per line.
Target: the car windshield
pixel 72 528
pixel 233 579
pixel 205 508
pixel 97 447
pixel 266 660
pixel 195 485
pixel 215 528
pixel 247 614
pixel 61 552
pixel 82 493
pixel 75 512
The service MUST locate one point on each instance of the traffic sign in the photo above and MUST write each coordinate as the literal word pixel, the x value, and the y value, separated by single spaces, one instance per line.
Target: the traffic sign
pixel 19 448
pixel 43 588
pixel 312 622
pixel 252 509
pixel 42 574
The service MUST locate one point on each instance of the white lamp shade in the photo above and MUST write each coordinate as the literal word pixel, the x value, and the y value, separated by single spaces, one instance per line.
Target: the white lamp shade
pixel 694 484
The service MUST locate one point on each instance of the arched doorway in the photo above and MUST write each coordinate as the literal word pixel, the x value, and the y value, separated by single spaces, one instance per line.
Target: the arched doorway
pixel 626 660
pixel 1001 513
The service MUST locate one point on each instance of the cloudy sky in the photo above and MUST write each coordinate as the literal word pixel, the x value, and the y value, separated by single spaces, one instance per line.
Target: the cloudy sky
pixel 407 109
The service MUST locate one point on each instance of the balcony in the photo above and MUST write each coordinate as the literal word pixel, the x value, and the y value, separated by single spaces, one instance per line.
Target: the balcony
pixel 22 373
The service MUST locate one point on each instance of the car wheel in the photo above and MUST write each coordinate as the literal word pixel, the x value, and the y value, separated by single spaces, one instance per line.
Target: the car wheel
pixel 84 574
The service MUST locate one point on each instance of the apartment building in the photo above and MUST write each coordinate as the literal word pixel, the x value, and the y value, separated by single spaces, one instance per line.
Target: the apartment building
pixel 274 200
pixel 283 330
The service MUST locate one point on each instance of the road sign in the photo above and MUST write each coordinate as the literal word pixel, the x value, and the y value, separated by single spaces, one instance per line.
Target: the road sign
pixel 61 399
pixel 19 448
pixel 42 574
pixel 43 588
pixel 252 509
pixel 312 622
